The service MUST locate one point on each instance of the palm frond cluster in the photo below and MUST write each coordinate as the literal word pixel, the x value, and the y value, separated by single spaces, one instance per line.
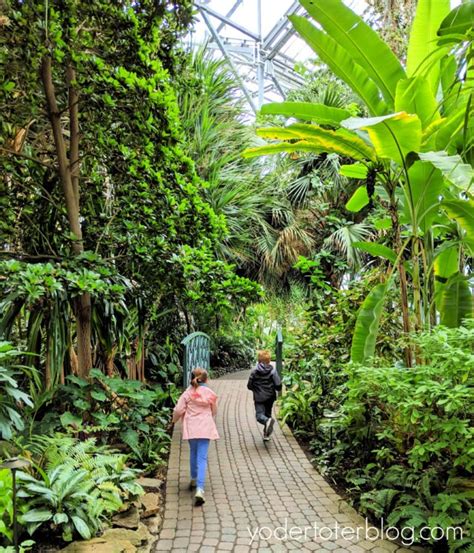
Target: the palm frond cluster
pixel 274 211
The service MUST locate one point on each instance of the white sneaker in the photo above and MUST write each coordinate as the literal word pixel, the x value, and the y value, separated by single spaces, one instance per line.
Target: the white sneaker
pixel 199 497
pixel 269 427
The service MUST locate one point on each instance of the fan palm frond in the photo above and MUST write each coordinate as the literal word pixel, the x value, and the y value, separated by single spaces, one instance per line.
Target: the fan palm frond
pixel 341 241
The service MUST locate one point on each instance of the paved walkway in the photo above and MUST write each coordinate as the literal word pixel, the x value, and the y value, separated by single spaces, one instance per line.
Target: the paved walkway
pixel 253 488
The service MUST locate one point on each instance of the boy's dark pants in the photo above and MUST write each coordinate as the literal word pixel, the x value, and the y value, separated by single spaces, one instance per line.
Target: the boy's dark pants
pixel 263 410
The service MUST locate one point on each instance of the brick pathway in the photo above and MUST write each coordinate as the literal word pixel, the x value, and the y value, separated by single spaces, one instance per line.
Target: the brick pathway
pixel 254 484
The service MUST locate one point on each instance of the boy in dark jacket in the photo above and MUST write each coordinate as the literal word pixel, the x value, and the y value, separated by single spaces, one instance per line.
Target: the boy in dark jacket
pixel 264 382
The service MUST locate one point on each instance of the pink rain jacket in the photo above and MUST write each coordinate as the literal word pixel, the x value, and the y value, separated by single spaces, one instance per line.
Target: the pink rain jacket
pixel 197 407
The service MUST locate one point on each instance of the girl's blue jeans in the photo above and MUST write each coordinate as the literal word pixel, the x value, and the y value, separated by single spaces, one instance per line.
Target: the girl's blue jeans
pixel 199 448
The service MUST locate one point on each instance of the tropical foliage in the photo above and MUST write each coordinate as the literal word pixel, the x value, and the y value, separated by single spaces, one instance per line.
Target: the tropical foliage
pixel 413 152
pixel 140 205
pixel 385 408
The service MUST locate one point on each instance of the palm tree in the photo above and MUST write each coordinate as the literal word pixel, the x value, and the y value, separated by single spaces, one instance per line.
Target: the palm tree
pixel 264 236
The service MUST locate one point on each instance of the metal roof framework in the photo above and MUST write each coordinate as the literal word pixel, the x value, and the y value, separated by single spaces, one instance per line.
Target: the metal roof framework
pixel 263 71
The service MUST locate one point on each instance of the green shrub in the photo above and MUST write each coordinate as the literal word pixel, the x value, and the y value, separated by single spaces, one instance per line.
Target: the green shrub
pixel 11 396
pixel 409 433
pixel 73 487
pixel 232 351
pixel 315 377
pixel 115 412
pixel 6 505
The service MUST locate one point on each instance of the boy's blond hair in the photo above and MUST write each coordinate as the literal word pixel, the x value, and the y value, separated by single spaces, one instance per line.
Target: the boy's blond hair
pixel 263 356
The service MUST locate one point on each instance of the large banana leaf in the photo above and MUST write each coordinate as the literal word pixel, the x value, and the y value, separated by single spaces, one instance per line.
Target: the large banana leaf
pixel 307 111
pixel 450 84
pixel 462 211
pixel 415 96
pixel 429 15
pixel 367 325
pixel 446 262
pixel 283 147
pixel 393 136
pixel 456 301
pixel 360 41
pixel 453 168
pixel 458 21
pixel 338 60
pixel 358 200
pixel 354 171
pixel 341 141
pixel 377 250
pixel 422 194
pixel 451 127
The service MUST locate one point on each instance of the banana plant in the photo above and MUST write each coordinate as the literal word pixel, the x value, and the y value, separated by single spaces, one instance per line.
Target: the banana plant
pixel 415 145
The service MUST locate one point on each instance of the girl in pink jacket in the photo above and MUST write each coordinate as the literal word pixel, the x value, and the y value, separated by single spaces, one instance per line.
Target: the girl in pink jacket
pixel 197 406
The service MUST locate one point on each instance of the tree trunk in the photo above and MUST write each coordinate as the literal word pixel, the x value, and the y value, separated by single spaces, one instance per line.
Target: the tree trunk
pixel 83 330
pixel 69 176
pixel 109 362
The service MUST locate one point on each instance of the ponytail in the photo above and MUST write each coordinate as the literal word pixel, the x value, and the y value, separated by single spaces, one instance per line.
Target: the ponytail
pixel 199 376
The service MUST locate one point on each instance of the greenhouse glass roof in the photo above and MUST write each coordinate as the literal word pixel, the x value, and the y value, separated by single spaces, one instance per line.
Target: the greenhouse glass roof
pixel 258 42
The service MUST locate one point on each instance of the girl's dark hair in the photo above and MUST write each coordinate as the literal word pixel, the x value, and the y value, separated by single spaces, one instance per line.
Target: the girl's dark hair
pixel 199 376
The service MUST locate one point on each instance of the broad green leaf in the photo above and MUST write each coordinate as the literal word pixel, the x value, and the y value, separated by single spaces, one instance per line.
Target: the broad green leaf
pixel 450 84
pixel 456 301
pixel 393 136
pixel 377 250
pixel 358 200
pixel 354 171
pixel 450 128
pixel 382 224
pixel 363 45
pixel 422 195
pixel 415 96
pixel 458 21
pixel 281 148
pixel 462 211
pixel 60 518
pixel 428 17
pixel 82 528
pixel 453 168
pixel 446 263
pixel 5 429
pixel 37 515
pixel 4 531
pixel 307 111
pixel 68 419
pixel 367 325
pixel 338 60
pixel 341 141
pixel 98 395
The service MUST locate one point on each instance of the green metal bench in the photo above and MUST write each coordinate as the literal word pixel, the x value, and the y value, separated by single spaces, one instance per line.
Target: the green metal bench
pixel 197 353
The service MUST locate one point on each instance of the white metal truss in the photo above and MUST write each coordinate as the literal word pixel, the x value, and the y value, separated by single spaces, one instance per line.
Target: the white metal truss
pixel 258 61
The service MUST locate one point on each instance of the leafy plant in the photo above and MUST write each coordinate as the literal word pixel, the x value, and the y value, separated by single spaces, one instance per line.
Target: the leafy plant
pixel 415 429
pixel 413 147
pixel 232 350
pixel 77 487
pixel 10 395
pixel 115 411
pixel 6 505
pixel 65 498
